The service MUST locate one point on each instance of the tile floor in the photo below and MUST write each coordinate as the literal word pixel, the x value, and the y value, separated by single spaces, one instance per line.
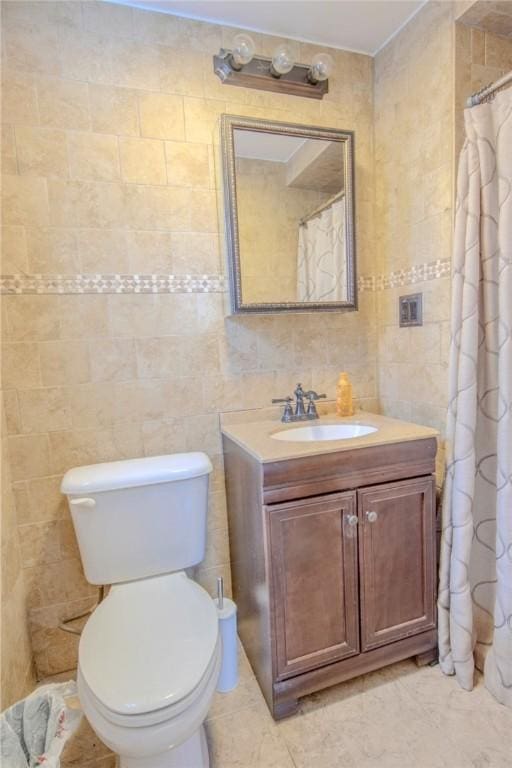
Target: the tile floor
pixel 398 717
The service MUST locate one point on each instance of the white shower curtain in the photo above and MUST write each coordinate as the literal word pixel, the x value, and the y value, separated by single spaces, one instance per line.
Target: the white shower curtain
pixel 475 591
pixel 321 259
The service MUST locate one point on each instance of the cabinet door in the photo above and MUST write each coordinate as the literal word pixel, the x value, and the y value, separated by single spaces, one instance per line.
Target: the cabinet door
pixel 396 560
pixel 313 560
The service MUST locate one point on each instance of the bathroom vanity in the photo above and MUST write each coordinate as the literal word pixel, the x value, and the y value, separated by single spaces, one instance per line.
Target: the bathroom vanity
pixel 333 551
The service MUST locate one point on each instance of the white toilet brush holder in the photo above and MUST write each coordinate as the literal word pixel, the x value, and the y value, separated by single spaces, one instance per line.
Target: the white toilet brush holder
pixel 226 609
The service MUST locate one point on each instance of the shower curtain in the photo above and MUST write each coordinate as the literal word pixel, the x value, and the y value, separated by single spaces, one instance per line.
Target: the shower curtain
pixel 321 263
pixel 475 591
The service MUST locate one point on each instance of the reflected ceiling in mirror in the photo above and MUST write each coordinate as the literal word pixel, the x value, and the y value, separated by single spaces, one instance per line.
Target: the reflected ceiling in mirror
pixel 289 216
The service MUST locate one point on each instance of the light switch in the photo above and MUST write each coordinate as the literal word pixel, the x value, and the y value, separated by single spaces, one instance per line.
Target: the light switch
pixel 411 310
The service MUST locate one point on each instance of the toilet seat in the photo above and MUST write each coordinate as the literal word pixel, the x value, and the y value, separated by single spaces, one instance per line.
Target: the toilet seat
pixel 149 650
pixel 159 715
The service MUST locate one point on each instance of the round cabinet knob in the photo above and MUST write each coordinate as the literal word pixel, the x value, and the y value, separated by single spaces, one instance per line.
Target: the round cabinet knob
pixel 371 516
pixel 351 519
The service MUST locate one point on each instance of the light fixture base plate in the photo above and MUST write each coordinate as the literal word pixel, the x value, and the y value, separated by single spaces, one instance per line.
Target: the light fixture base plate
pixel 257 74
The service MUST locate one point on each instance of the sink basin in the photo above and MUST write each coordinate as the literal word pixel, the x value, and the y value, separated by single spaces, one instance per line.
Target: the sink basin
pixel 324 432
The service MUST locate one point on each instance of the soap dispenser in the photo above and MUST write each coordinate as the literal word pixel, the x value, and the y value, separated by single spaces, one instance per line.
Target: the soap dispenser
pixel 344 402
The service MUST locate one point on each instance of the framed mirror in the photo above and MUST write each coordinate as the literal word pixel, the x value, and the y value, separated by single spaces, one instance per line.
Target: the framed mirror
pixel 289 216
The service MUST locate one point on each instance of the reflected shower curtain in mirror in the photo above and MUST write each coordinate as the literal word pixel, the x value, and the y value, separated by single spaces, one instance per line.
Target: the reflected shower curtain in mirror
pixel 475 592
pixel 321 260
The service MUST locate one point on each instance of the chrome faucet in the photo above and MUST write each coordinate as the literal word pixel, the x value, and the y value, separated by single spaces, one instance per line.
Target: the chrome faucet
pixel 300 413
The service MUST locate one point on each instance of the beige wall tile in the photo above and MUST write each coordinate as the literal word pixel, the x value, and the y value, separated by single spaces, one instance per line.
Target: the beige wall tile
pixel 195 252
pixel 41 152
pixel 159 29
pixel 12 412
pixel 218 549
pixel 193 210
pixel 133 316
pixel 31 45
pixel 57 583
pixel 67 540
pixel 9 158
pixel 142 161
pixel 477 46
pixel 200 353
pixel 24 201
pixel 52 250
pixel 39 544
pixel 113 20
pixel 83 317
pixel 91 406
pixel 413 215
pixel 20 365
pixel 114 110
pixel 67 14
pixel 86 204
pixel 44 410
pixel 150 252
pixel 498 52
pixel 30 456
pixel 152 207
pixel 159 358
pixel 93 156
pixel 161 116
pixel 63 103
pixel 64 362
pixel 19 98
pixel 86 55
pixel 103 250
pixel 181 71
pixel 112 359
pixel 163 436
pixel 14 250
pixel 89 446
pixel 187 164
pixel 31 318
pixel 201 118
pixel 40 500
pixel 134 64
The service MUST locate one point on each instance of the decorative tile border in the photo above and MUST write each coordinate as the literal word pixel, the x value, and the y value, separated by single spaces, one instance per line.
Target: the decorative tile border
pixel 118 283
pixel 65 284
pixel 419 273
pixel 366 283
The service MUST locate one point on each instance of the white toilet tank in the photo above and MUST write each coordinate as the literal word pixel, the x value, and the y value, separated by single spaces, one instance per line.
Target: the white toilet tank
pixel 140 517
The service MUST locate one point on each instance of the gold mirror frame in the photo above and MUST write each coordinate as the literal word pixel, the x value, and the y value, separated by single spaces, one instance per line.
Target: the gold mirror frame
pixel 230 123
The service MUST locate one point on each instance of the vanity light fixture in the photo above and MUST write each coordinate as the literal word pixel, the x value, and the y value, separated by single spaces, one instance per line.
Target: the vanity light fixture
pixel 280 73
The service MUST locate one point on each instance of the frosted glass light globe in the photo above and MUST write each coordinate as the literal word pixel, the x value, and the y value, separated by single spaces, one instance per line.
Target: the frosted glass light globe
pixel 282 61
pixel 243 51
pixel 322 67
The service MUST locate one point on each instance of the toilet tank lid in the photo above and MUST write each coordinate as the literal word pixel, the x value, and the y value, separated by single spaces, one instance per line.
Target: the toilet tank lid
pixel 131 473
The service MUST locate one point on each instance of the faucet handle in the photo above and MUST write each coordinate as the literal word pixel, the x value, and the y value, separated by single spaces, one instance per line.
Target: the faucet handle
pixel 311 410
pixel 312 395
pixel 288 411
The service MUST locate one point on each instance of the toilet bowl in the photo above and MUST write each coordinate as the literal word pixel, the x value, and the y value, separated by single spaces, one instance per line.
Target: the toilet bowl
pixel 149 656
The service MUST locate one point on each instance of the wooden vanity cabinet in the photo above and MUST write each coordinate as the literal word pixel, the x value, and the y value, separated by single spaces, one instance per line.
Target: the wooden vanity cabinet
pixel 333 564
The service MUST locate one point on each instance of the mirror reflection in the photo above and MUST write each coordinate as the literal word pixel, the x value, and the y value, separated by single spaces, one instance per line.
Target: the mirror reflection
pixel 292 217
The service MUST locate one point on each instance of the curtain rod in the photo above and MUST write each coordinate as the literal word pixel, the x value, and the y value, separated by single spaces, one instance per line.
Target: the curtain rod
pixel 322 208
pixel 489 90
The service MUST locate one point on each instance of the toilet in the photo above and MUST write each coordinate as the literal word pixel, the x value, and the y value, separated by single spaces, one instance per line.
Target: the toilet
pixel 149 655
